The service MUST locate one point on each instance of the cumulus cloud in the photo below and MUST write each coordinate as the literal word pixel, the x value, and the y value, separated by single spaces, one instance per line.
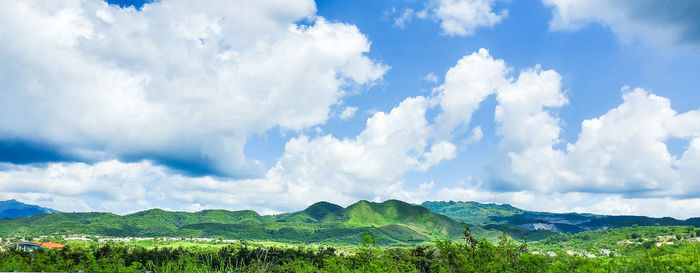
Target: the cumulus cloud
pixel 431 77
pixel 369 166
pixel 620 158
pixel 174 82
pixel 104 186
pixel 463 17
pixel 629 144
pixel 348 112
pixel 404 18
pixel 620 152
pixel 475 137
pixel 456 17
pixel 466 85
pixel 656 22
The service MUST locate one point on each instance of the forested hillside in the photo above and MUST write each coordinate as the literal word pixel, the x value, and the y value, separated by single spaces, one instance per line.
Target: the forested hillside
pixel 535 225
pixel 392 222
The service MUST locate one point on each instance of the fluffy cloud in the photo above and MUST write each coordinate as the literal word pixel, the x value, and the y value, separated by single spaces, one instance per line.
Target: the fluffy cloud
pixel 104 186
pixel 348 112
pixel 619 162
pixel 175 82
pixel 466 85
pixel 463 17
pixel 456 17
pixel 656 22
pixel 369 166
pixel 625 150
pixel 404 18
pixel 620 152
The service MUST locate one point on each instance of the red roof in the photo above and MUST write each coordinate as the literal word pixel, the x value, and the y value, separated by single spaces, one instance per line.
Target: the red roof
pixel 50 245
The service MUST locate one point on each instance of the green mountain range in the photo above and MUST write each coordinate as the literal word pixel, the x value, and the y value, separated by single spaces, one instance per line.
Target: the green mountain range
pixel 392 222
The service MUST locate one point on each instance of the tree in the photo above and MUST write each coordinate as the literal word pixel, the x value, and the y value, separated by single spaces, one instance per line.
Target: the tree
pixel 469 239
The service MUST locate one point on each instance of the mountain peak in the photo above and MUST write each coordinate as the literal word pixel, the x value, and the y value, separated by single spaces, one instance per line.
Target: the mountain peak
pixel 320 210
pixel 13 208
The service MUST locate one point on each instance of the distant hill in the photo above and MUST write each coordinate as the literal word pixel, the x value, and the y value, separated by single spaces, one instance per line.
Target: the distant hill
pixel 472 213
pixel 617 240
pixel 13 209
pixel 392 222
pixel 539 225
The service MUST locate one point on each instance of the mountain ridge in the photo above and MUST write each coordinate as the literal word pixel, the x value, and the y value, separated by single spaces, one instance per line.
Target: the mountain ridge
pixel 521 223
pixel 392 222
pixel 13 209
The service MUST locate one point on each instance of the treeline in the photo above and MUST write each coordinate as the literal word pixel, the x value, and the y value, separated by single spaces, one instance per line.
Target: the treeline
pixel 469 255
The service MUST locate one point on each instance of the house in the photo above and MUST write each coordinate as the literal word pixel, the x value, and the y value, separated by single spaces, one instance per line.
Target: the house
pixel 50 245
pixel 664 243
pixel 30 246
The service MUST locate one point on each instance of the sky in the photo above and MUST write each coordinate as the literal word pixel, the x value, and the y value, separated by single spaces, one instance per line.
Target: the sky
pixel 552 105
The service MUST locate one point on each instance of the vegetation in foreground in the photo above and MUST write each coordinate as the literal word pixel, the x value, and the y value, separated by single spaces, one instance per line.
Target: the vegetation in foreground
pixel 467 255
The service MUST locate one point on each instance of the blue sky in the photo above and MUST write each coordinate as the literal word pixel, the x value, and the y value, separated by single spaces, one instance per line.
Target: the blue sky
pixel 189 106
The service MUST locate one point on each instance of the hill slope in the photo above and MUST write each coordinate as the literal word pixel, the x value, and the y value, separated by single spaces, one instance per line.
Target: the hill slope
pixel 392 222
pixel 13 208
pixel 539 225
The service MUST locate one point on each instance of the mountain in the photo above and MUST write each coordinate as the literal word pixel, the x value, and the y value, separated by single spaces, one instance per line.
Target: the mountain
pixel 472 213
pixel 392 222
pixel 539 225
pixel 13 209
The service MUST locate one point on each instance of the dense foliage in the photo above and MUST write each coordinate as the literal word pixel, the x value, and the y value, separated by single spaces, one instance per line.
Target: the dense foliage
pixel 467 255
pixel 625 241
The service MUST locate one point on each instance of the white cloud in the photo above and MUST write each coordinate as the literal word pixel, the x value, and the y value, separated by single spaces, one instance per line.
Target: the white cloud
pixel 456 17
pixel 621 152
pixel 466 85
pixel 476 135
pixel 463 17
pixel 654 22
pixel 348 112
pixel 405 18
pixel 175 81
pixel 528 130
pixel 620 158
pixel 105 186
pixel 619 161
pixel 431 77
pixel 625 150
pixel 369 166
